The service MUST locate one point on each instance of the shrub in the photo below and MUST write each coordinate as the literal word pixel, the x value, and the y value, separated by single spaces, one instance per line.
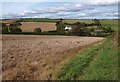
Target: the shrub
pixel 92 29
pixel 107 30
pixel 76 30
pixel 60 27
pixel 37 30
pixel 15 30
pixel 4 30
pixel 16 24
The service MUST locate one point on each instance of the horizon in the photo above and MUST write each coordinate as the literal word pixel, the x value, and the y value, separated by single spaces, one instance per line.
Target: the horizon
pixel 87 9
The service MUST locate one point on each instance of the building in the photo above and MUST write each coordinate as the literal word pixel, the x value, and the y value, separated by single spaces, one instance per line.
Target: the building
pixel 68 27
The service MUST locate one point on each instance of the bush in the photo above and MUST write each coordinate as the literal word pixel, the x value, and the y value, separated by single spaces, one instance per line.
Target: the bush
pixel 60 27
pixel 92 29
pixel 15 30
pixel 4 30
pixel 107 30
pixel 80 31
pixel 16 24
pixel 37 30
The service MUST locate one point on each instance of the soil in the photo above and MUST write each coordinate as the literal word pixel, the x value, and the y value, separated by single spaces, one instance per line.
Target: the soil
pixel 36 57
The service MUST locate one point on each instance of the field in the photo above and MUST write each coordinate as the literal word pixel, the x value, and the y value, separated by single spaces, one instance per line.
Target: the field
pixel 40 20
pixel 45 26
pixel 77 20
pixel 36 57
pixel 110 23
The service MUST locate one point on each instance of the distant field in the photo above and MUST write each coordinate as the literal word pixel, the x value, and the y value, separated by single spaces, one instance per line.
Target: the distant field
pixel 49 24
pixel 77 20
pixel 112 23
pixel 7 21
pixel 40 20
pixel 45 26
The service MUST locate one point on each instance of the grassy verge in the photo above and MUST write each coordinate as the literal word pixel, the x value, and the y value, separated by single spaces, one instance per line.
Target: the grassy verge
pixel 99 62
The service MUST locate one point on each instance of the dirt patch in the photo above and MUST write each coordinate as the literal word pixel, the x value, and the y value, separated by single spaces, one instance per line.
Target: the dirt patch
pixel 36 57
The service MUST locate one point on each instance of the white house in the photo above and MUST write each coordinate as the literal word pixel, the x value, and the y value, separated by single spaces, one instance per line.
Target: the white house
pixel 68 27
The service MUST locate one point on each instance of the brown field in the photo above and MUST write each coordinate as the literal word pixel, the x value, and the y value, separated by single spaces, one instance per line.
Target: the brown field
pixel 45 26
pixel 27 57
pixel 7 21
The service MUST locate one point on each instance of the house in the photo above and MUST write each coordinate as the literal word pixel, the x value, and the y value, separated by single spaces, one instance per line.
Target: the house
pixel 68 27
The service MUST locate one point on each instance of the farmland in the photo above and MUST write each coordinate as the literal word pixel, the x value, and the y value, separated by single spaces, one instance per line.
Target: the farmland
pixel 39 57
pixel 77 20
pixel 46 57
pixel 45 26
pixel 110 23
pixel 40 20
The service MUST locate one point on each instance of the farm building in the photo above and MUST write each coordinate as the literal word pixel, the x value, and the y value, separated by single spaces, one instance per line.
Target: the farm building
pixel 68 27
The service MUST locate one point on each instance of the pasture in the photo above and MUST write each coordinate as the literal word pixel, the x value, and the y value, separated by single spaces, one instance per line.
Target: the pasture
pixel 71 21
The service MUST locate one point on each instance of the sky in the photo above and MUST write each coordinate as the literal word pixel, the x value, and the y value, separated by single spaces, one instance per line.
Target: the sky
pixel 66 9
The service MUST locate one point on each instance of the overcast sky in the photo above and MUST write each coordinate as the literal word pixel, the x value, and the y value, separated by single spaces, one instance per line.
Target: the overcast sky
pixel 74 9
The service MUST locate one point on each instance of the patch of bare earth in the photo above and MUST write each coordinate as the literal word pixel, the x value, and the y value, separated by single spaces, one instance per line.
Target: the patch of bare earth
pixel 27 57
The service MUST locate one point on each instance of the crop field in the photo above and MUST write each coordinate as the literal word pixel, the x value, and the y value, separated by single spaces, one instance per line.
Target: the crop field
pixel 45 26
pixel 35 57
pixel 77 20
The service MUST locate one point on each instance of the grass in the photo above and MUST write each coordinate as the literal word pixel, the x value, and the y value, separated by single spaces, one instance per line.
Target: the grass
pixel 71 21
pixel 99 62
pixel 110 23
pixel 106 65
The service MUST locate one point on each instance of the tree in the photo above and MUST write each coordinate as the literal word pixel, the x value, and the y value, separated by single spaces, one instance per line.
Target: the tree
pixel 16 24
pixel 14 27
pixel 107 29
pixel 15 30
pixel 77 30
pixel 60 27
pixel 4 28
pixel 37 30
pixel 92 29
pixel 96 21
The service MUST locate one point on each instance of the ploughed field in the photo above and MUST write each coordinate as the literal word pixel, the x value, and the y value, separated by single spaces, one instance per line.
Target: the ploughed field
pixel 35 57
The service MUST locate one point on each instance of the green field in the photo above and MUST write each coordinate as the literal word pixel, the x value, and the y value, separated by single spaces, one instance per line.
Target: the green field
pixel 40 20
pixel 110 23
pixel 99 62
pixel 77 20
